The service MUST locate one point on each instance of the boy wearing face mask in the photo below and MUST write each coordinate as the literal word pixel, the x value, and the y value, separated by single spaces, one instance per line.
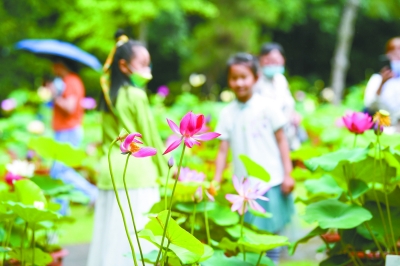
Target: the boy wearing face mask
pixel 383 89
pixel 272 84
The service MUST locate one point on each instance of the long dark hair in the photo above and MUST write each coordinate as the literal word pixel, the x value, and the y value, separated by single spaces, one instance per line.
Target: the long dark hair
pixel 125 51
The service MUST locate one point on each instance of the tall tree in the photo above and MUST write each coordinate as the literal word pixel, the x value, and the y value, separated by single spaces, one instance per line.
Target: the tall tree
pixel 340 62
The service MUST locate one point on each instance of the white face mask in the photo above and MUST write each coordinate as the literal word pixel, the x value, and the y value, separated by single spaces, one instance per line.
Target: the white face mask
pixel 271 70
pixel 395 65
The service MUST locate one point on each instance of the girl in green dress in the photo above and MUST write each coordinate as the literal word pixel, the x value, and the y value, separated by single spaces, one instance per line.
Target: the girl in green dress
pixel 125 105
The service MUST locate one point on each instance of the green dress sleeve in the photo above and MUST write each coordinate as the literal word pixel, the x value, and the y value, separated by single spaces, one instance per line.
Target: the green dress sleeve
pixel 134 111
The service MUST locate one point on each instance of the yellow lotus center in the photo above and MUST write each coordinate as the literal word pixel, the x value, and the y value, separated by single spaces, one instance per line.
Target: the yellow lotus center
pixel 133 147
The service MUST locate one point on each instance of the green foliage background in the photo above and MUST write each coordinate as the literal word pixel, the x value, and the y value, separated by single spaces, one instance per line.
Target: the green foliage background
pixel 195 36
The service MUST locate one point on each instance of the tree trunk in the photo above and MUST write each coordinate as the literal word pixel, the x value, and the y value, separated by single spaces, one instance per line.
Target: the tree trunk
pixel 340 62
pixel 143 32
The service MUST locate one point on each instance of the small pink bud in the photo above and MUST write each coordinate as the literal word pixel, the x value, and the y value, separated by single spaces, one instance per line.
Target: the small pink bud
pixel 171 162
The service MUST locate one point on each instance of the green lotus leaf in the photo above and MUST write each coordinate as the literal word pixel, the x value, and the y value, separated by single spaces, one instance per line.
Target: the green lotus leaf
pixel 324 185
pixel 223 216
pixel 330 161
pixel 253 259
pixel 313 233
pixel 221 260
pixel 254 169
pixel 51 187
pixel 75 196
pixel 260 214
pixel 29 193
pixel 331 213
pixel 262 243
pixel 357 188
pixel 63 152
pixel 31 214
pixel 183 244
pixel 228 245
pixel 188 207
pixel 41 258
pixel 234 231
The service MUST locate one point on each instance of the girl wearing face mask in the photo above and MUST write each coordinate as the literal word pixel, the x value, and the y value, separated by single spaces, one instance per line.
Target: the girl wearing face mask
pixel 273 85
pixel 125 105
pixel 383 89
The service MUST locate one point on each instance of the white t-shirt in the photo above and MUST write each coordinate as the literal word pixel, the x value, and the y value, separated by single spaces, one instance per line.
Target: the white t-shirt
pixel 277 90
pixel 250 129
pixel 389 99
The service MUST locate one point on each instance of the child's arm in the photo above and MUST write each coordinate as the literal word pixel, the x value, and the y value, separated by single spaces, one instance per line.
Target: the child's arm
pixel 288 182
pixel 221 160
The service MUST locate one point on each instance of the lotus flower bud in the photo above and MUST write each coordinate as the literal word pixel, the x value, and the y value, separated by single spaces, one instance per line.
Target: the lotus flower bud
pixel 171 162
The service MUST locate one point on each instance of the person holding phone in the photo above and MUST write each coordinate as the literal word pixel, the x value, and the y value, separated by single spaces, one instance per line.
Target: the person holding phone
pixel 383 89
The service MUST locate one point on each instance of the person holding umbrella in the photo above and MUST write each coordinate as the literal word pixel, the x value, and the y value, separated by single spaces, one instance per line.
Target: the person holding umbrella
pixel 67 93
pixel 67 124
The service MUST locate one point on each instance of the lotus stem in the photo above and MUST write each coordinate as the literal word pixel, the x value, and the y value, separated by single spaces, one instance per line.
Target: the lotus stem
pixel 259 258
pixel 165 191
pixel 33 244
pixel 377 200
pixel 347 250
pixel 119 202
pixel 165 258
pixel 22 244
pixel 206 223
pixel 6 239
pixel 386 197
pixel 170 205
pixel 374 238
pixel 355 140
pixel 241 228
pixel 130 208
pixel 193 218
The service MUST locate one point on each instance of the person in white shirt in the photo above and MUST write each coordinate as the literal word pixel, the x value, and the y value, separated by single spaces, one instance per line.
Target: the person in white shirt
pixel 273 85
pixel 383 89
pixel 253 126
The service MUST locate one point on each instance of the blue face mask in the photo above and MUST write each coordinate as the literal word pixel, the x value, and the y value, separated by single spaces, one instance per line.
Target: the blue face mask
pixel 395 65
pixel 271 71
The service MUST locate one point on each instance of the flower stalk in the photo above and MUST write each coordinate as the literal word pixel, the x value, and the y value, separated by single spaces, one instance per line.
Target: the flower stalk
pixel 119 202
pixel 131 211
pixel 170 205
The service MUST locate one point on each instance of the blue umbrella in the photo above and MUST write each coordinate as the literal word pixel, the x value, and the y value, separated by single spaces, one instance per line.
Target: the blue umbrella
pixel 61 49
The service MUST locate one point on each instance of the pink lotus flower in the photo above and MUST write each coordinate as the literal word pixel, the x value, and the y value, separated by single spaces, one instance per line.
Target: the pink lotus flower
pixel 129 145
pixel 188 175
pixel 8 104
pixel 189 126
pixel 357 122
pixel 88 103
pixel 10 178
pixel 248 193
pixel 163 91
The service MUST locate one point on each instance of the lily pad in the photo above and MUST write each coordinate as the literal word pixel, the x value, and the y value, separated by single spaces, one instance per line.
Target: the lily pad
pixel 254 169
pixel 325 185
pixel 62 152
pixel 51 187
pixel 313 233
pixel 221 260
pixel 188 207
pixel 41 258
pixel 29 193
pixel 262 243
pixel 331 213
pixel 329 161
pixel 357 188
pixel 31 214
pixel 183 244
pixel 223 216
pixel 253 259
